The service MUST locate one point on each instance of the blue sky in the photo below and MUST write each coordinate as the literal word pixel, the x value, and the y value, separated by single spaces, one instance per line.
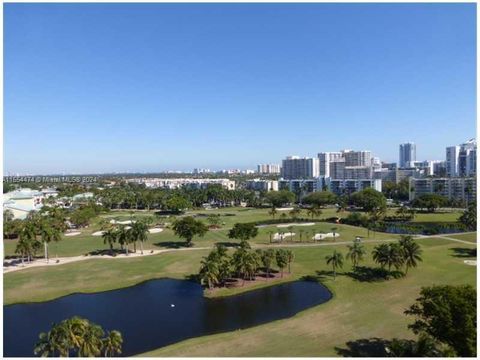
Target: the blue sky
pixel 149 87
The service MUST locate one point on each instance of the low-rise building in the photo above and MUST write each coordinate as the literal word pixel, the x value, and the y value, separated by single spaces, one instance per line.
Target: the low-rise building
pixel 180 182
pixel 21 201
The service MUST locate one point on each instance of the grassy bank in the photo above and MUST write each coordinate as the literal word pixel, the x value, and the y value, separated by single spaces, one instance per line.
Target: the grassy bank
pixel 359 309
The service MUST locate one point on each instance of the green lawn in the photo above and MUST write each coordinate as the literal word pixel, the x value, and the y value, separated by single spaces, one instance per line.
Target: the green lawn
pixel 472 237
pixel 86 242
pixel 358 309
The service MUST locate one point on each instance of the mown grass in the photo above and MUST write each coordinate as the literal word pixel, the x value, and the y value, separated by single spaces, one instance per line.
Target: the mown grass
pixel 359 309
pixel 85 242
pixel 472 237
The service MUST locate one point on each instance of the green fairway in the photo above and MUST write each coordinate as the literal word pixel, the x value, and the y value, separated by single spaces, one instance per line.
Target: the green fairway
pixel 359 309
pixel 85 242
pixel 472 237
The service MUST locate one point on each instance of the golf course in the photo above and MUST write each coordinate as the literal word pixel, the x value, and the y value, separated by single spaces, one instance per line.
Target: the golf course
pixel 363 307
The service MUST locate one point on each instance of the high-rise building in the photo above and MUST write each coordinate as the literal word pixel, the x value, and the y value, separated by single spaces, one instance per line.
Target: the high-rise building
pixel 408 154
pixel 337 169
pixel 268 169
pixel 452 153
pixel 294 167
pixel 462 159
pixel 456 188
pixel 325 158
pixel 262 185
pixel 357 158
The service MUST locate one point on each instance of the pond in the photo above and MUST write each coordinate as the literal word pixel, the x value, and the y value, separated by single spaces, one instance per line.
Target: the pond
pixel 146 318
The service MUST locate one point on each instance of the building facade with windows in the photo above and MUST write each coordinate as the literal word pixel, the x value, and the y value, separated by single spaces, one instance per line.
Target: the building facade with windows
pixel 261 185
pixel 454 188
pixel 268 169
pixel 349 186
pixel 294 167
pixel 407 155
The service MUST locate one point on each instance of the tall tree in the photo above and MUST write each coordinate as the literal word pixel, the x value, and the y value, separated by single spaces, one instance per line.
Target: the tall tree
pixel 281 259
pixel 187 228
pixel 412 253
pixel 267 258
pixel 356 252
pixel 112 343
pixel 469 216
pixel 448 314
pixel 110 237
pixel 243 231
pixel 290 256
pixel 336 260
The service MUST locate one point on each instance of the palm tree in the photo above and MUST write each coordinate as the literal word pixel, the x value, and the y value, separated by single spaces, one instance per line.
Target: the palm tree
pixel 49 233
pixel 80 336
pixel 273 211
pixel 110 236
pixel 267 258
pixel 112 344
pixel 301 232
pixel 48 346
pixel 290 229
pixel 92 344
pixel 270 233
pixel 395 257
pixel 28 244
pixel 252 262
pixel 295 213
pixel 356 253
pixel 380 254
pixel 314 211
pixel 411 252
pixel 336 260
pixel 290 256
pixel 388 255
pixel 140 230
pixel 281 259
pixel 209 273
pixel 123 237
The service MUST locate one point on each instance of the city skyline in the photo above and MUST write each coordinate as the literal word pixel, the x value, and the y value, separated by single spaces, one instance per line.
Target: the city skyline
pixel 179 87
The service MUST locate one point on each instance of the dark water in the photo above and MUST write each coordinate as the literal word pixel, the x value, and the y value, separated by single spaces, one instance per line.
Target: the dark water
pixel 144 316
pixel 422 230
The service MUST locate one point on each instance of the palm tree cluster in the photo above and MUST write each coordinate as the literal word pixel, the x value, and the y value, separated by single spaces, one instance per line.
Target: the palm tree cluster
pixel 44 227
pixel 406 253
pixel 78 336
pixel 244 263
pixel 138 231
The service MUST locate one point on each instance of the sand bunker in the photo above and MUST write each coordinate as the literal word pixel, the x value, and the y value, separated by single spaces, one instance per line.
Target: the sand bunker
pixel 73 233
pixel 98 233
pixel 470 262
pixel 155 230
pixel 283 236
pixel 121 222
pixel 321 236
pixel 295 224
